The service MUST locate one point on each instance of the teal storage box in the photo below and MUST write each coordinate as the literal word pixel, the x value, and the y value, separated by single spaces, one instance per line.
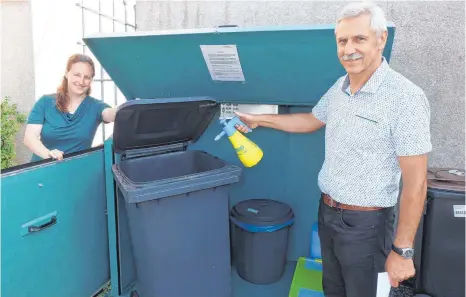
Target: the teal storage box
pixel 307 279
pixel 176 200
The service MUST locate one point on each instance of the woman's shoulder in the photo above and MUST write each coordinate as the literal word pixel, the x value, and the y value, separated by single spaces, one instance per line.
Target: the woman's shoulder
pixel 97 102
pixel 47 98
pixel 93 99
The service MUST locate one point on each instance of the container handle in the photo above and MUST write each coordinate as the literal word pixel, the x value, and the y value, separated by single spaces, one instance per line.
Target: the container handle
pixel 39 224
pixel 53 221
pixel 226 26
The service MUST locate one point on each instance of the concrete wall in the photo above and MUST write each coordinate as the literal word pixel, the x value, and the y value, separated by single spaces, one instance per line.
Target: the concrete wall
pixel 17 62
pixel 429 48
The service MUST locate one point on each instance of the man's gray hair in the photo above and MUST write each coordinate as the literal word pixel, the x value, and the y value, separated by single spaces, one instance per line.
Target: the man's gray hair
pixel 378 20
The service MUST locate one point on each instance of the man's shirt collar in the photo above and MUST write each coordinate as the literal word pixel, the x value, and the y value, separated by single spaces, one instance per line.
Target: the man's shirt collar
pixel 372 84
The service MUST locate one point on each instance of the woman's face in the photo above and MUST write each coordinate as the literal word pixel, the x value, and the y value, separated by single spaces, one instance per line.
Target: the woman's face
pixel 79 78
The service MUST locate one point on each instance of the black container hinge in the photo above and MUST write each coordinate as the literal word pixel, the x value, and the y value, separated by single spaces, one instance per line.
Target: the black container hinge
pixel 153 151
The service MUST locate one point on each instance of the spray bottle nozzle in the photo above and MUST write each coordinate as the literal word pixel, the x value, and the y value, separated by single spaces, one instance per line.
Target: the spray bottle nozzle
pixel 229 127
pixel 217 138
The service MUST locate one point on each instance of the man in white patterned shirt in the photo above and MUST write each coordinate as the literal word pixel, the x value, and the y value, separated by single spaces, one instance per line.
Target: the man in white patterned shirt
pixel 377 131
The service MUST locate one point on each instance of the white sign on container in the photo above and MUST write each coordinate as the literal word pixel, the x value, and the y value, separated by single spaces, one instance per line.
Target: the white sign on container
pixel 227 110
pixel 223 62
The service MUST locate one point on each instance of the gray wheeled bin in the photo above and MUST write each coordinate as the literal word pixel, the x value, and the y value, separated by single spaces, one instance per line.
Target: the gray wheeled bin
pixel 440 248
pixel 261 228
pixel 176 200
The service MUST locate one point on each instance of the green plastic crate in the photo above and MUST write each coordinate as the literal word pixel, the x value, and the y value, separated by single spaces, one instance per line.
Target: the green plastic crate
pixel 307 278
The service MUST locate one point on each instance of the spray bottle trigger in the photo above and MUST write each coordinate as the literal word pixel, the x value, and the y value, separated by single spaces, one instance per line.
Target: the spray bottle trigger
pixel 230 126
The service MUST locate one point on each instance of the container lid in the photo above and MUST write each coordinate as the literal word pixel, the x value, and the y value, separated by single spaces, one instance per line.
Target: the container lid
pixel 258 65
pixel 158 122
pixel 449 179
pixel 262 212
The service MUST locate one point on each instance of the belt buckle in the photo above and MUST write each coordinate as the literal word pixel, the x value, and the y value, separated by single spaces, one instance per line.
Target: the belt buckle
pixel 333 203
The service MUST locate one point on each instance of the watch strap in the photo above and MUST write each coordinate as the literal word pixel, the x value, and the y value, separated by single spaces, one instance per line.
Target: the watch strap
pixel 397 250
pixel 402 253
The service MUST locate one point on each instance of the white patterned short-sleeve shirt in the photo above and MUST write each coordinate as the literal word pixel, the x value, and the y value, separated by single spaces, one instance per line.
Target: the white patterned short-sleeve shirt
pixel 366 132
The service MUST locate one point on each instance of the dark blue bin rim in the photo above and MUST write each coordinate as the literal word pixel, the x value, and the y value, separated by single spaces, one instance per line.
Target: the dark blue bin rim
pixel 152 190
pixel 225 168
pixel 256 212
pixel 261 229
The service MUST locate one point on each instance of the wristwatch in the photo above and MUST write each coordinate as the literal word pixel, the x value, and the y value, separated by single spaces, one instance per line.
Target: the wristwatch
pixel 406 253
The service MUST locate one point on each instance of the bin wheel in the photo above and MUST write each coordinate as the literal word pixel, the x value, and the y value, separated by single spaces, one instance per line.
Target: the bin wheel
pixel 134 294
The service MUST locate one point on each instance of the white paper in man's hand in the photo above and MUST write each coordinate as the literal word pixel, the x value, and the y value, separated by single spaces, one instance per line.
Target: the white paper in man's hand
pixel 383 285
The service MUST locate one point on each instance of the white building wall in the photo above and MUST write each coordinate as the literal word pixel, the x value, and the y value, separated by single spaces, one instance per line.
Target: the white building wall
pixel 17 62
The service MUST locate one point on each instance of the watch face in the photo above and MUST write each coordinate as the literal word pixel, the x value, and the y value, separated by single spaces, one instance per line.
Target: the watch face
pixel 408 253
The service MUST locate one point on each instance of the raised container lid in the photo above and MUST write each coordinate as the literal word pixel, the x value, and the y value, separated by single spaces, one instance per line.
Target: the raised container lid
pixel 262 212
pixel 285 65
pixel 148 123
pixel 449 179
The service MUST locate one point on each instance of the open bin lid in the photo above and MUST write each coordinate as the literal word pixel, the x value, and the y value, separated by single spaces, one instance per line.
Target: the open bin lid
pixel 448 179
pixel 286 65
pixel 151 123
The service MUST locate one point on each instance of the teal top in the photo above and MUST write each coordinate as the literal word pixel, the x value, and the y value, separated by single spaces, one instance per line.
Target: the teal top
pixel 65 131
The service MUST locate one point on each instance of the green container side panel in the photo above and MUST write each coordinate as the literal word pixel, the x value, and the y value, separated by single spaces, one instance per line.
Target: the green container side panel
pixel 69 257
pixel 281 65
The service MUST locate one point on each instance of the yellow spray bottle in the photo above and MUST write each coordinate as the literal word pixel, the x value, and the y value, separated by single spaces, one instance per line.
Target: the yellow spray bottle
pixel 248 152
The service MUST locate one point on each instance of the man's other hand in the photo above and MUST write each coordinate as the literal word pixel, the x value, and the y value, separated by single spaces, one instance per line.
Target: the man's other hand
pixel 398 268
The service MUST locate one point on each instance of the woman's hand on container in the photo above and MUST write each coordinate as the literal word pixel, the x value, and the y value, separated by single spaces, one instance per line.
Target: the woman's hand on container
pixel 56 154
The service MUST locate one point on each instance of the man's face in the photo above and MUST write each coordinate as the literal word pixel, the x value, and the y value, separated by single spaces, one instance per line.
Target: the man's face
pixel 357 44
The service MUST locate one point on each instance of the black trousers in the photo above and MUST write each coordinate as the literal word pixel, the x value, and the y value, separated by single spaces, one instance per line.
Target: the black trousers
pixel 355 246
